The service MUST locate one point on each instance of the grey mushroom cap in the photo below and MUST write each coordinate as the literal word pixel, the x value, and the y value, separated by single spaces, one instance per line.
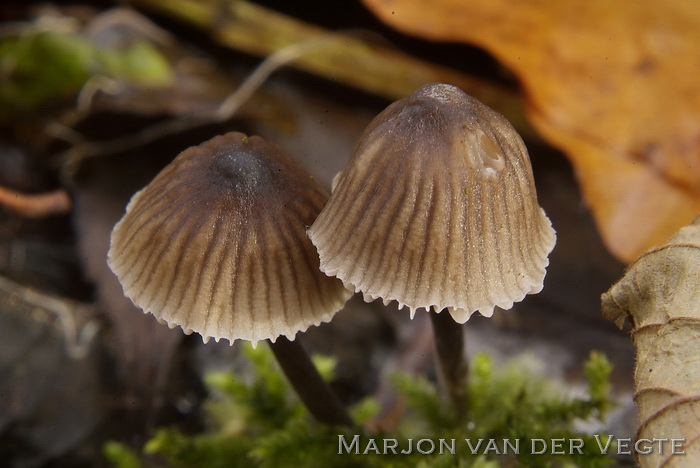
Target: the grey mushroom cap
pixel 217 244
pixel 437 209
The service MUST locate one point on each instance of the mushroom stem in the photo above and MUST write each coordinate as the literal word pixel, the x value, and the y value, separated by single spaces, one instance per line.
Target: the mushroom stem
pixel 451 354
pixel 314 392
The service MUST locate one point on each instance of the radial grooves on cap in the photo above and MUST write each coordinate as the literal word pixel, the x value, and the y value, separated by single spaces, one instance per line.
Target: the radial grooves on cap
pixel 418 216
pixel 217 253
pixel 226 254
pixel 290 275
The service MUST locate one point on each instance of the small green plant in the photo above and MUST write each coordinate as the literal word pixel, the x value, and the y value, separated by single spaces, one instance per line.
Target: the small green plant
pixel 256 421
pixel 42 66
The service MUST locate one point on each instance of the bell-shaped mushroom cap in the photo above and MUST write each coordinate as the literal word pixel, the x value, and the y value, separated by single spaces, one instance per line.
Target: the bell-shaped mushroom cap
pixel 437 208
pixel 217 244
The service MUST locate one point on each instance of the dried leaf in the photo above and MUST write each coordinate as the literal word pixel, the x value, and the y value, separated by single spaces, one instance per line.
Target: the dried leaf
pixel 613 86
pixel 660 295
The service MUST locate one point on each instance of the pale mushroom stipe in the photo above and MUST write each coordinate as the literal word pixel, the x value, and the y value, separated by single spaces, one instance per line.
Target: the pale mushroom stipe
pixel 437 209
pixel 217 244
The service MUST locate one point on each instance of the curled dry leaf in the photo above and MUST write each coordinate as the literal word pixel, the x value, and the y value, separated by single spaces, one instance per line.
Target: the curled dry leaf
pixel 660 295
pixel 613 86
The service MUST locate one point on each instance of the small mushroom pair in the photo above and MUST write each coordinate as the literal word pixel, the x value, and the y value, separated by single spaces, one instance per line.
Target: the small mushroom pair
pixel 436 208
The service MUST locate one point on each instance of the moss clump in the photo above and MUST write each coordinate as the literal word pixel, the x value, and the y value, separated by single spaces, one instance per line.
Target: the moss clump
pixel 258 422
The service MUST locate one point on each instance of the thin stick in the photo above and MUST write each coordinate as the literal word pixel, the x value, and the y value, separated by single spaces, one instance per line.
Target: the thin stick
pixel 314 392
pixel 35 205
pixel 451 354
pixel 72 157
pixel 76 320
pixel 251 28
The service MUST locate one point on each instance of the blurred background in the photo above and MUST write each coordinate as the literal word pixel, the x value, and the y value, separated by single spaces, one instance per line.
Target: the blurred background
pixel 97 96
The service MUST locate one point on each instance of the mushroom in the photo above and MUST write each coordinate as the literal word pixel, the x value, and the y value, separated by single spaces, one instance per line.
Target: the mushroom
pixel 217 244
pixel 437 209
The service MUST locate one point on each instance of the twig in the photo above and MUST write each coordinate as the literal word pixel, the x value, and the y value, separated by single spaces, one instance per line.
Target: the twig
pixel 372 68
pixel 35 206
pixel 340 57
pixel 71 159
pixel 78 329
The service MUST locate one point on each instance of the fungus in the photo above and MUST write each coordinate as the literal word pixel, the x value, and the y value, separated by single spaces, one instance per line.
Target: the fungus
pixel 437 209
pixel 217 244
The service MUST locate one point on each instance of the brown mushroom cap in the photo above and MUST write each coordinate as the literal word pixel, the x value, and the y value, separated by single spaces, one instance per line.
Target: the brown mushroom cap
pixel 216 243
pixel 437 208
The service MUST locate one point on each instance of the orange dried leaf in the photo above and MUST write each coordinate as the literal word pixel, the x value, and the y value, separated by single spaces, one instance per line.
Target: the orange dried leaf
pixel 614 85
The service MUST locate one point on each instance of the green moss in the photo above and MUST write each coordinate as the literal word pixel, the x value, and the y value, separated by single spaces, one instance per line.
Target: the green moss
pixel 513 403
pixel 258 422
pixel 41 67
pixel 120 455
